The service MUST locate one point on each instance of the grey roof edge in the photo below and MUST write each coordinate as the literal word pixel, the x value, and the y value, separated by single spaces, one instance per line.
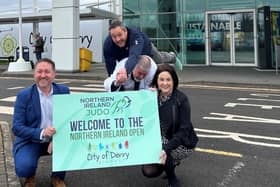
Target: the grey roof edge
pixel 89 13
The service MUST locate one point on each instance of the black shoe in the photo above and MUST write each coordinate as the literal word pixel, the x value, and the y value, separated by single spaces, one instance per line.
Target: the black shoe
pixel 174 183
pixel 164 176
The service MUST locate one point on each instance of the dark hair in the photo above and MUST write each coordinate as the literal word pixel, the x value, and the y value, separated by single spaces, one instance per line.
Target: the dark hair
pixel 116 23
pixel 170 69
pixel 49 61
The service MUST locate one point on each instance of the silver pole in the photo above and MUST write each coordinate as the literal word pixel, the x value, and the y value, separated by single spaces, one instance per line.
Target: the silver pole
pixel 276 51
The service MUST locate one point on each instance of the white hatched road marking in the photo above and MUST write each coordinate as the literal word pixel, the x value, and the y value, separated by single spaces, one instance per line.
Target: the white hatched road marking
pixel 265 95
pixel 254 105
pixel 239 137
pixel 255 99
pixel 188 85
pixel 231 174
pixel 9 99
pixel 87 89
pixel 6 110
pixel 15 88
pixel 94 85
pixel 64 82
pixel 233 117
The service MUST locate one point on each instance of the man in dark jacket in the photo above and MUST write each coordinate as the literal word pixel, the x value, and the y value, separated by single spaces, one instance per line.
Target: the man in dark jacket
pixel 38 46
pixel 125 42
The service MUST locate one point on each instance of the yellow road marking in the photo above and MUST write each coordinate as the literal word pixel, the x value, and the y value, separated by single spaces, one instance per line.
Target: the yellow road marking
pixel 224 153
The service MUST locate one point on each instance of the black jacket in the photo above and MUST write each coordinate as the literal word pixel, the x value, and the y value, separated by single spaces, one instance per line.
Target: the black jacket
pixel 175 117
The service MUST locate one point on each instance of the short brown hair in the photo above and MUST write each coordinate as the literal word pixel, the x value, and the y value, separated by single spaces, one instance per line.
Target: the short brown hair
pixel 49 61
pixel 116 23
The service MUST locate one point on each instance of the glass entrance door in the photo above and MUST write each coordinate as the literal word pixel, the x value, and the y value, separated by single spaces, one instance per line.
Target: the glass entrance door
pixel 231 38
pixel 220 39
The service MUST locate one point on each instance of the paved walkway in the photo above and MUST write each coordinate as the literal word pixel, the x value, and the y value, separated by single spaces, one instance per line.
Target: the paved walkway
pixel 190 74
pixel 237 76
pixel 7 173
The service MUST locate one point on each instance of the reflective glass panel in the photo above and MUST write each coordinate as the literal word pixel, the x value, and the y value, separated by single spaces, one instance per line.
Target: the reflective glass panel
pixel 195 35
pixel 131 7
pixel 132 21
pixel 160 25
pixel 155 6
pixel 244 37
pixel 220 38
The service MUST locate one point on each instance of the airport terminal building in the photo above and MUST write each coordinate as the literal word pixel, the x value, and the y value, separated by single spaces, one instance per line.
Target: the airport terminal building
pixel 201 32
pixel 211 32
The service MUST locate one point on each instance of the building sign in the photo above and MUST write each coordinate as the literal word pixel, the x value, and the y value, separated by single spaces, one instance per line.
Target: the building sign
pixel 91 37
pixel 215 26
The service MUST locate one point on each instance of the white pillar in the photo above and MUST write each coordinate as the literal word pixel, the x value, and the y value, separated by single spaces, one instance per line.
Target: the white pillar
pixel 66 34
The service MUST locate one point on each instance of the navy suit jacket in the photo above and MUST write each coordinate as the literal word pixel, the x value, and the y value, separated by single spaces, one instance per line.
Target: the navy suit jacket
pixel 137 44
pixel 27 114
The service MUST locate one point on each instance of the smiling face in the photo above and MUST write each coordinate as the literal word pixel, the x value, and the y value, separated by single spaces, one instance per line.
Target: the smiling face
pixel 44 75
pixel 165 83
pixel 119 35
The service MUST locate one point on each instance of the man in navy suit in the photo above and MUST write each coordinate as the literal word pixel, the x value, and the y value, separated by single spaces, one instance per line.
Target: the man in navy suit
pixel 32 123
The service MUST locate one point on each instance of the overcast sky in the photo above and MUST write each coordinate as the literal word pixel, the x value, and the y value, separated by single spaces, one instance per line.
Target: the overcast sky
pixel 9 6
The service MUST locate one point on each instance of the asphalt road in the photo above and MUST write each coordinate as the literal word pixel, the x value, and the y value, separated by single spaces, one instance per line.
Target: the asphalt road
pixel 238 130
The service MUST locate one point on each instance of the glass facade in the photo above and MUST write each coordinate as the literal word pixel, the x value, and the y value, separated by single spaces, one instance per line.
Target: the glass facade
pixel 203 31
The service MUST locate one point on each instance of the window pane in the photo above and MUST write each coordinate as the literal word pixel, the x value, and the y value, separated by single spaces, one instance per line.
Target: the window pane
pixel 154 6
pixel 132 21
pixel 191 6
pixel 149 25
pixel 195 35
pixel 130 7
pixel 160 26
pixel 237 4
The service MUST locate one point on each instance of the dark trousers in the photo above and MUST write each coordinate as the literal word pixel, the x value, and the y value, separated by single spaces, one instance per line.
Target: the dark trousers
pixel 26 160
pixel 162 56
pixel 38 55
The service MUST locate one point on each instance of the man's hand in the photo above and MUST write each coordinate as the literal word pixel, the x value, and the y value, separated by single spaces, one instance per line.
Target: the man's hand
pixel 121 77
pixel 49 132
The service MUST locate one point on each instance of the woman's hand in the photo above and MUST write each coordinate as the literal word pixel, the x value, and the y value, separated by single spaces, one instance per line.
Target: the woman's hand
pixel 163 157
pixel 153 89
pixel 50 148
